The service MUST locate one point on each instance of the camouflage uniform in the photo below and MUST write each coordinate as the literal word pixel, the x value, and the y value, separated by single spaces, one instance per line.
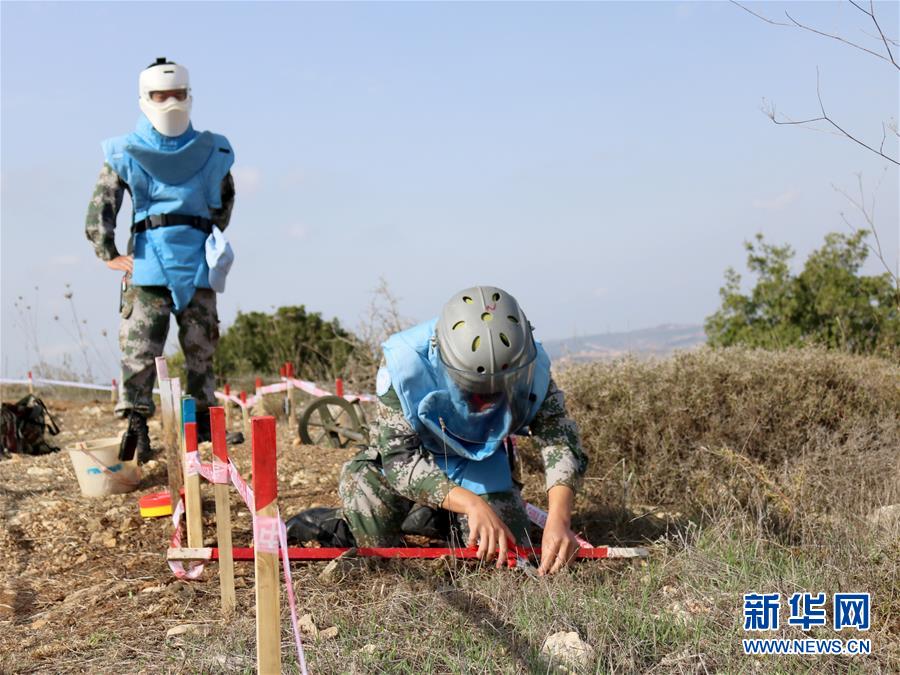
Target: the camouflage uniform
pixel 146 310
pixel 382 482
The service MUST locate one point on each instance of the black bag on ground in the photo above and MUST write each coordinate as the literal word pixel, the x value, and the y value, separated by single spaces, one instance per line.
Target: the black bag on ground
pixel 321 524
pixel 23 427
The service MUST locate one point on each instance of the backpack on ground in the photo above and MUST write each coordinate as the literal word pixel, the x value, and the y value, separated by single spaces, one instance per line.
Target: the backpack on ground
pixel 23 427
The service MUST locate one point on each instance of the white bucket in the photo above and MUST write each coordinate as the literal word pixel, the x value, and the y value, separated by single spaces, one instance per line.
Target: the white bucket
pixel 99 471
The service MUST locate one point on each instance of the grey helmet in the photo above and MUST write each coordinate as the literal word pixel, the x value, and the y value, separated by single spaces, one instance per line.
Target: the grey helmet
pixel 483 337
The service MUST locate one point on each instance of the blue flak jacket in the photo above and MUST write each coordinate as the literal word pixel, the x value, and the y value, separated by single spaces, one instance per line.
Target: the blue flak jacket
pixel 168 175
pixel 417 377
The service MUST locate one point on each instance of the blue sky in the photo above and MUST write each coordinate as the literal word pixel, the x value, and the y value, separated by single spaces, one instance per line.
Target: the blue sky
pixel 604 162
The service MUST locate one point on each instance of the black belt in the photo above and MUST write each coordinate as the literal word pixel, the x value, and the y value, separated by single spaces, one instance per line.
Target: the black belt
pixel 170 219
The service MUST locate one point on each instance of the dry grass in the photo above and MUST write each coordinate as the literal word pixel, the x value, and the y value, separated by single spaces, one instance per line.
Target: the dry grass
pixel 742 470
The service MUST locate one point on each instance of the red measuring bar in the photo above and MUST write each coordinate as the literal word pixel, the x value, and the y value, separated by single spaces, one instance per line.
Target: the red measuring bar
pixel 301 553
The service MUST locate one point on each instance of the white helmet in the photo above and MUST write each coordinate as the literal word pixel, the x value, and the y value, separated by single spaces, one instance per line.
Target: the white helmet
pixel 169 115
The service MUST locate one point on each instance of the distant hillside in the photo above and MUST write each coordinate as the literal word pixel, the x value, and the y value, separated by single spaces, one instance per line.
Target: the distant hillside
pixel 658 341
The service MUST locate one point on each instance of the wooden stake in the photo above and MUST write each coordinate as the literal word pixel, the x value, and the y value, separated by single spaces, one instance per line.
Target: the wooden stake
pixel 265 540
pixel 227 406
pixel 245 414
pixel 114 392
pixel 192 504
pixel 223 510
pixel 339 388
pixel 292 405
pixel 30 383
pixel 170 430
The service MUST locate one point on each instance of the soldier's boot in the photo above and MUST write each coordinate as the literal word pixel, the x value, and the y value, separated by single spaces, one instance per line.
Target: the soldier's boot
pixel 204 430
pixel 136 439
pixel 322 524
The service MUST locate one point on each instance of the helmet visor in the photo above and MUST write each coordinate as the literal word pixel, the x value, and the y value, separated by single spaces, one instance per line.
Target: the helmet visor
pixel 488 404
pixel 163 95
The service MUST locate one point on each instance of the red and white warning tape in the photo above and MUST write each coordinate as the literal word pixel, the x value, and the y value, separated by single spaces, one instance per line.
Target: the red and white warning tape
pixel 268 535
pixel 288 382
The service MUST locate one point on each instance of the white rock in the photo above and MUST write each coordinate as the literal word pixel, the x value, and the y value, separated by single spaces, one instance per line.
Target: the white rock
pixel 185 629
pixel 369 649
pixel 886 517
pixel 568 649
pixel 328 633
pixel 39 471
pixel 307 626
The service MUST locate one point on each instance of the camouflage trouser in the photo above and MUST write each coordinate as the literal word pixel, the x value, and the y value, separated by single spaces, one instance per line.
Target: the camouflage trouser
pixel 375 512
pixel 142 336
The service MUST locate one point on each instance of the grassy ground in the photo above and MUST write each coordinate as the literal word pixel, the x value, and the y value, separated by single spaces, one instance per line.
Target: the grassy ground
pixel 741 470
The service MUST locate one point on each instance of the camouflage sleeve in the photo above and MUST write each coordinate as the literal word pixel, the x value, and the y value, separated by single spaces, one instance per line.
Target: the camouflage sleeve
pixel 565 461
pixel 100 225
pixel 222 216
pixel 408 467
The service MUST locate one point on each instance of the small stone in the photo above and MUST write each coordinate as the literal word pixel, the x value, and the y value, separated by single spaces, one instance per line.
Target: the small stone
pixel 337 569
pixel 185 629
pixel 567 648
pixel 153 589
pixel 39 471
pixel 40 623
pixel 306 625
pixel 80 559
pixel 110 543
pixel 886 517
pixel 369 649
pixel 328 633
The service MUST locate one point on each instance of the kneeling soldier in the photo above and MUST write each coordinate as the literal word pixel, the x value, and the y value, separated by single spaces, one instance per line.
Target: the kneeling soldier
pixel 450 393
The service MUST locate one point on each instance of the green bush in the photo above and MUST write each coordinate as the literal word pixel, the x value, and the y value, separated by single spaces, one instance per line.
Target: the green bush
pixel 261 343
pixel 828 303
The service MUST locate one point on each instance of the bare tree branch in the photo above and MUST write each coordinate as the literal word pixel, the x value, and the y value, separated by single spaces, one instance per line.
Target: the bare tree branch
pixel 871 14
pixel 840 39
pixel 760 16
pixel 825 118
pixel 869 216
pixel 797 24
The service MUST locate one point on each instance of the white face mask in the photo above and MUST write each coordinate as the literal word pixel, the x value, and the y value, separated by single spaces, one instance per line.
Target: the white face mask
pixel 170 117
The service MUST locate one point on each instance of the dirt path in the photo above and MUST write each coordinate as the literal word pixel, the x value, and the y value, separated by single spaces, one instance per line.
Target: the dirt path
pixel 80 575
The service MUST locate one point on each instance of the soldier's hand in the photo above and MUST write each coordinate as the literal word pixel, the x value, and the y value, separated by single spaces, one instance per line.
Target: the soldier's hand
pixel 122 263
pixel 488 531
pixel 558 546
pixel 485 527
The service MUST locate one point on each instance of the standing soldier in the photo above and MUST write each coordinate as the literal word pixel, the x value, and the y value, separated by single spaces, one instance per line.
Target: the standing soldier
pixel 182 195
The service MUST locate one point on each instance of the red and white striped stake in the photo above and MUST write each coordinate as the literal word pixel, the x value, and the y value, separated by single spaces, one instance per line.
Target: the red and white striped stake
pixel 223 508
pixel 114 392
pixel 339 388
pixel 192 505
pixel 265 539
pixel 30 383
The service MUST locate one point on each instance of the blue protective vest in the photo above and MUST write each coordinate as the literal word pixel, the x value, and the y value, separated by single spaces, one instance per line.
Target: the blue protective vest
pixel 415 372
pixel 167 175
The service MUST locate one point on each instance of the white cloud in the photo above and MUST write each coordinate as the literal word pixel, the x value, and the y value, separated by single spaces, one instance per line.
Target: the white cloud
pixel 778 202
pixel 64 260
pixel 247 180
pixel 298 232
